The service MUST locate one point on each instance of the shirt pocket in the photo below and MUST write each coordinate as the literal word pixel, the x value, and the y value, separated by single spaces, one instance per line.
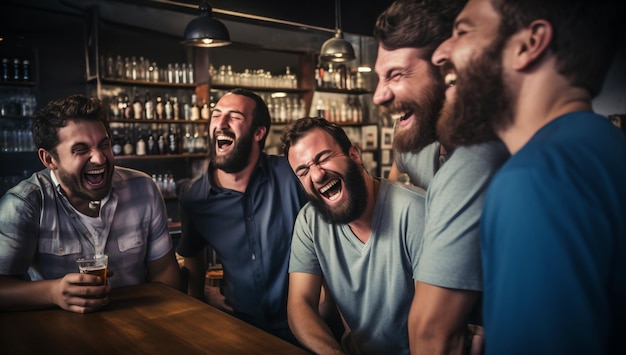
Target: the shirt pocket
pixel 130 243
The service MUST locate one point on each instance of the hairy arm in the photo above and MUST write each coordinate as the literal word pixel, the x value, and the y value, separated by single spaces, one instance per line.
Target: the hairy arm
pixel 165 269
pixel 197 274
pixel 438 319
pixel 305 320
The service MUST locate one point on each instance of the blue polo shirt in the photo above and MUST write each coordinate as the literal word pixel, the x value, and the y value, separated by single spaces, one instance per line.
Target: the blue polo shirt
pixel 251 233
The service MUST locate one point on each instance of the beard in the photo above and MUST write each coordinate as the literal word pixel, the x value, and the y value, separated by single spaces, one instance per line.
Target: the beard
pixel 483 101
pixel 350 209
pixel 75 184
pixel 422 131
pixel 237 159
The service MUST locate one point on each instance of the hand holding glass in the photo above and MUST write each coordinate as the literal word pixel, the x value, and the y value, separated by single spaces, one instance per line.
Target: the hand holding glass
pixel 94 265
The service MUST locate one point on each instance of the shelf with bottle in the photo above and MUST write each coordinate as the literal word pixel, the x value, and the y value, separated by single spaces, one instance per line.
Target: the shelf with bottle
pixel 152 140
pixel 339 78
pixel 164 107
pixel 139 70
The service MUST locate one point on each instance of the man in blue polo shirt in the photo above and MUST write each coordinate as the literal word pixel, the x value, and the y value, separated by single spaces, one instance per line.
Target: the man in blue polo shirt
pixel 244 206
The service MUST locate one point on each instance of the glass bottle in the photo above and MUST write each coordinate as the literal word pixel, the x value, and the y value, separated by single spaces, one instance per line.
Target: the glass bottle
pixel 149 107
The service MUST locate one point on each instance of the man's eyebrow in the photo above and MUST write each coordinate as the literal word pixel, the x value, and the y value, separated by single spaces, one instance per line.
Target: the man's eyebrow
pixel 315 160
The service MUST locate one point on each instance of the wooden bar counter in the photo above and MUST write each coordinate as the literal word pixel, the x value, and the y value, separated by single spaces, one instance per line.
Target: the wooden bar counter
pixel 143 319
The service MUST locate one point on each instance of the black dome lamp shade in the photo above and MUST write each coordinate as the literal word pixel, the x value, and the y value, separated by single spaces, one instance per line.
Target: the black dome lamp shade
pixel 337 49
pixel 206 31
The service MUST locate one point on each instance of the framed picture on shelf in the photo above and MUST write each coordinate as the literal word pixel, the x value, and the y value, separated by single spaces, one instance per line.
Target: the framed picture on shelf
pixel 369 139
pixel 386 137
pixel 384 171
pixel 385 157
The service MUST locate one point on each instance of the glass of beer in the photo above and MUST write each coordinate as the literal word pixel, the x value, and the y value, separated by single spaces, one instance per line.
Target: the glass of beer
pixel 95 265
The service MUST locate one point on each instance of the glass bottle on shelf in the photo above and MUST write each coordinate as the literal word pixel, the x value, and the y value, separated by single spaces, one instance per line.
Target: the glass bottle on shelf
pixel 195 109
pixel 119 68
pixel 205 113
pixel 159 108
pixel 168 108
pixel 117 144
pixel 140 146
pixel 190 74
pixel 149 107
pixel 172 140
pixel 151 148
pixel 137 108
pixel 175 108
pixel 128 145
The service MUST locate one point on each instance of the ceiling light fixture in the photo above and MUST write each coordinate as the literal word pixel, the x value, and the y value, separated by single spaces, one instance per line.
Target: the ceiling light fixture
pixel 337 49
pixel 206 31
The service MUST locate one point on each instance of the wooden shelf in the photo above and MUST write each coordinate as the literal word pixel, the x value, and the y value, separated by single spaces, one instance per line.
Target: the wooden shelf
pixel 158 157
pixel 111 81
pixel 145 121
pixel 258 88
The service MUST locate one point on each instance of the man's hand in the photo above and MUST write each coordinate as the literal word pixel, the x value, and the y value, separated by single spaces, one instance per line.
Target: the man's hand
pixel 215 298
pixel 80 293
pixel 475 339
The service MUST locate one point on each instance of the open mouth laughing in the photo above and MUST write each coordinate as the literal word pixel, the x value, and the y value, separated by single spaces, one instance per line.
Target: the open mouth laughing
pixel 450 79
pixel 224 142
pixel 332 190
pixel 95 177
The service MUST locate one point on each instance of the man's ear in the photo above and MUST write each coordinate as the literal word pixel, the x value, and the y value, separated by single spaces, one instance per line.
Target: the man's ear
pixel 47 159
pixel 532 43
pixel 355 154
pixel 260 133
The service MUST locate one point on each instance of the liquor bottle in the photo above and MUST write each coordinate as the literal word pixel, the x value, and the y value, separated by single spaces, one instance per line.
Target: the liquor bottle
pixel 161 144
pixel 137 108
pixel 328 77
pixel 149 107
pixel 175 108
pixel 195 109
pixel 114 110
pixel 128 108
pixel 168 109
pixel 128 145
pixel 159 108
pixel 117 145
pixel 172 140
pixel 151 148
pixel 16 69
pixel 190 74
pixel 26 70
pixel 205 112
pixel 320 108
pixel 319 75
pixel 119 67
pixel 5 69
pixel 183 73
pixel 140 146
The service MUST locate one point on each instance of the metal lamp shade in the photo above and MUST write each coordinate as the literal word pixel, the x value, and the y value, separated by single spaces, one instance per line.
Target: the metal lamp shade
pixel 337 49
pixel 205 31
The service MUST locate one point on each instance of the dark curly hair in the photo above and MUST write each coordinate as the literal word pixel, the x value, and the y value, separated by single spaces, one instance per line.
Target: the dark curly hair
pixel 58 112
pixel 296 130
pixel 417 23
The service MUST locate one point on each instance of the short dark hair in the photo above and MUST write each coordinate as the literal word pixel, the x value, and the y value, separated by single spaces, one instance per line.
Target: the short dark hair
pixel 421 24
pixel 260 114
pixel 585 34
pixel 56 113
pixel 296 130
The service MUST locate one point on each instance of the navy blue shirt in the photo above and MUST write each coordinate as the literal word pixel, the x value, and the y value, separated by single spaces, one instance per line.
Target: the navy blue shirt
pixel 251 233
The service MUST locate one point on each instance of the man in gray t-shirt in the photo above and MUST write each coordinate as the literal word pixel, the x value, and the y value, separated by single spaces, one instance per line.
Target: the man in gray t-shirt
pixel 362 238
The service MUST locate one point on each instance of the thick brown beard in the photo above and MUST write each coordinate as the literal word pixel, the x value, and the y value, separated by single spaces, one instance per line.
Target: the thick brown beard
pixel 482 101
pixel 422 131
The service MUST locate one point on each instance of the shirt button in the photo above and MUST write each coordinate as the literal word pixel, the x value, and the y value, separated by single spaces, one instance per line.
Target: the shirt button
pixel 253 257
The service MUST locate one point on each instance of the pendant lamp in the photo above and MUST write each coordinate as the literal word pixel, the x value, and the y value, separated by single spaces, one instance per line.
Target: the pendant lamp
pixel 206 31
pixel 337 49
